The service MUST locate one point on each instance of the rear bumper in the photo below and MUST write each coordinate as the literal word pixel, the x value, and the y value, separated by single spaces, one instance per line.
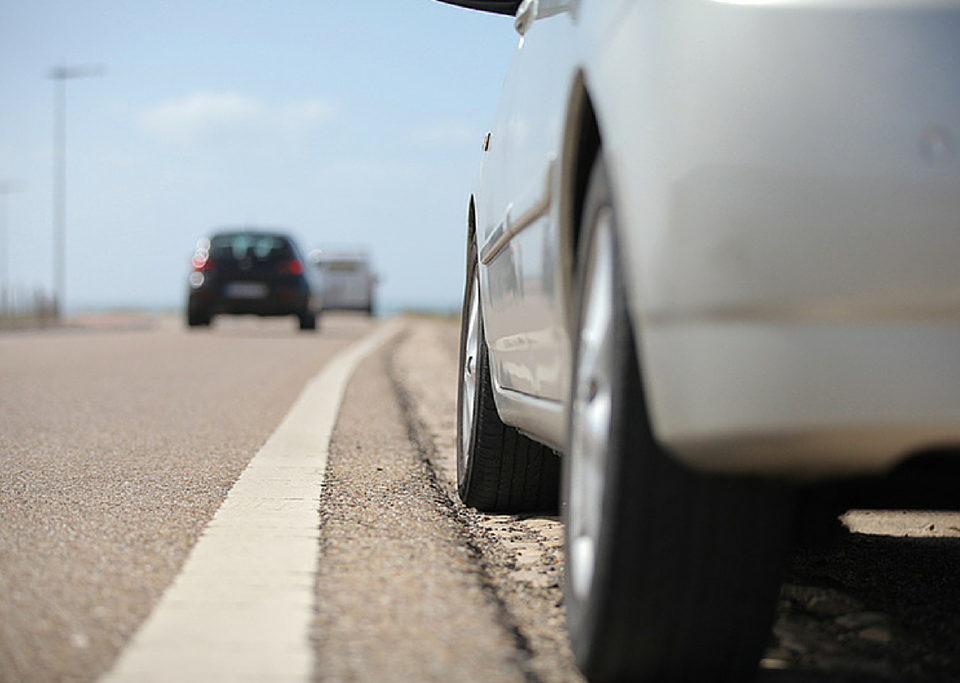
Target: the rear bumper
pixel 804 399
pixel 790 217
pixel 281 300
pixel 348 305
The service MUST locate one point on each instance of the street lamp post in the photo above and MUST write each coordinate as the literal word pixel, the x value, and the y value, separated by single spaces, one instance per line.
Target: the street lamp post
pixel 60 75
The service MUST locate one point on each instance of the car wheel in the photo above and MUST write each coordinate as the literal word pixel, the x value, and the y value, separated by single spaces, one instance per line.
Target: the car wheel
pixel 308 321
pixel 199 319
pixel 498 468
pixel 671 575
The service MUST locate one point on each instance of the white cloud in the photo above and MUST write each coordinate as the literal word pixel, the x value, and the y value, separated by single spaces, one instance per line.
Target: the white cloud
pixel 204 117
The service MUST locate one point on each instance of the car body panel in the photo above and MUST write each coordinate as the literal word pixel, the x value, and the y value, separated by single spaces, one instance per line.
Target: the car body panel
pixel 519 176
pixel 787 182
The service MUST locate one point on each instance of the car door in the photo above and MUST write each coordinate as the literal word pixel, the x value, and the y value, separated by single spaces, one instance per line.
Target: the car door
pixel 517 188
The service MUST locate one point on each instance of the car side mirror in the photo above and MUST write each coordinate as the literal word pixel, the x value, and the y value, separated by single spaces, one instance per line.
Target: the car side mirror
pixel 496 6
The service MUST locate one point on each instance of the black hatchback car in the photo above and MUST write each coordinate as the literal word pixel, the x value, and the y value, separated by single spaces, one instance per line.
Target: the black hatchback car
pixel 252 272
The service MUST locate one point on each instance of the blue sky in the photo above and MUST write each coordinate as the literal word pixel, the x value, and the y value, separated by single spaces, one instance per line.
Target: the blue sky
pixel 351 124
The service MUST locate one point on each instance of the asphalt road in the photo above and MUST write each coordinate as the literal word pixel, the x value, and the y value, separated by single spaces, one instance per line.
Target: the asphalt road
pixel 118 442
pixel 118 446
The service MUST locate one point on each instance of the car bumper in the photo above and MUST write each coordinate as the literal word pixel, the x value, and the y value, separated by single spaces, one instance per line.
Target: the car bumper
pixel 791 212
pixel 804 399
pixel 278 300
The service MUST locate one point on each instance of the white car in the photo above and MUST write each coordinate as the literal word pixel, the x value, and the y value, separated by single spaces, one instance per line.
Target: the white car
pixel 348 281
pixel 713 253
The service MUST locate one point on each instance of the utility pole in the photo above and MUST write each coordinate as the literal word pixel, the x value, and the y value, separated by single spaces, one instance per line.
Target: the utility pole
pixel 60 75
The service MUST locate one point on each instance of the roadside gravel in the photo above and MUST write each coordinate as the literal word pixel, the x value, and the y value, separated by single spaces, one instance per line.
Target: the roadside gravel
pixel 401 595
pixel 521 556
pixel 412 585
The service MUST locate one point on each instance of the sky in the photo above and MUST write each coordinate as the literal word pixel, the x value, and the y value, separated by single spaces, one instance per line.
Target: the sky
pixel 352 125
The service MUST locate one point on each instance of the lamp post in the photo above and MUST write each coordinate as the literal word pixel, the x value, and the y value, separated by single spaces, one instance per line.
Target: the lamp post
pixel 60 75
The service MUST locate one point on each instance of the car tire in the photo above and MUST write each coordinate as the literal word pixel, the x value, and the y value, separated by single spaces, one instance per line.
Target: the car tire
pixel 308 321
pixel 671 575
pixel 198 319
pixel 498 468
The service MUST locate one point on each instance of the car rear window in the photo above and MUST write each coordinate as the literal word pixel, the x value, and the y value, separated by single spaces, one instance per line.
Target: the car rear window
pixel 250 246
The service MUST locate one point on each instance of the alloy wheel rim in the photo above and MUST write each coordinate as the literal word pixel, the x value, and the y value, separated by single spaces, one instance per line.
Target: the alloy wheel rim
pixel 592 409
pixel 468 384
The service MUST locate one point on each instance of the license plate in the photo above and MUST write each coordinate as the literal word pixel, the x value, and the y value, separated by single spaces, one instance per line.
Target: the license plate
pixel 245 290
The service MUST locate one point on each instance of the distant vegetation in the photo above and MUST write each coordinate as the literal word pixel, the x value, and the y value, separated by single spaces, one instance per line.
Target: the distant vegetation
pixel 22 308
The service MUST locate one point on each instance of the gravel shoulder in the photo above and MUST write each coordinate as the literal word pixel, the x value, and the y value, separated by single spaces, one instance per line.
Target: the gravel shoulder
pixel 400 593
pixel 521 557
pixel 412 585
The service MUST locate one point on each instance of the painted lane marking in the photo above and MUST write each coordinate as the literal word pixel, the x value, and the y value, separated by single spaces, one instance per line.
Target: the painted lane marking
pixel 242 605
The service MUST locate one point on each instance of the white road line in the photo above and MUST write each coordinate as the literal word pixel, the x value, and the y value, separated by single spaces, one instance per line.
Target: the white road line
pixel 241 607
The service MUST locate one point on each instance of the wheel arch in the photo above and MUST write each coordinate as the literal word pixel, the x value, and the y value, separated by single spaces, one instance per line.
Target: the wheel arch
pixel 471 220
pixel 582 142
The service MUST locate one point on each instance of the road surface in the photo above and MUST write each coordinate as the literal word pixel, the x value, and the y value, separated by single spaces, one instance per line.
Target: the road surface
pixel 120 442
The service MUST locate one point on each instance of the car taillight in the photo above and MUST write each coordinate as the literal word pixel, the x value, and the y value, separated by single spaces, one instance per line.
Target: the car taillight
pixel 202 262
pixel 295 267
